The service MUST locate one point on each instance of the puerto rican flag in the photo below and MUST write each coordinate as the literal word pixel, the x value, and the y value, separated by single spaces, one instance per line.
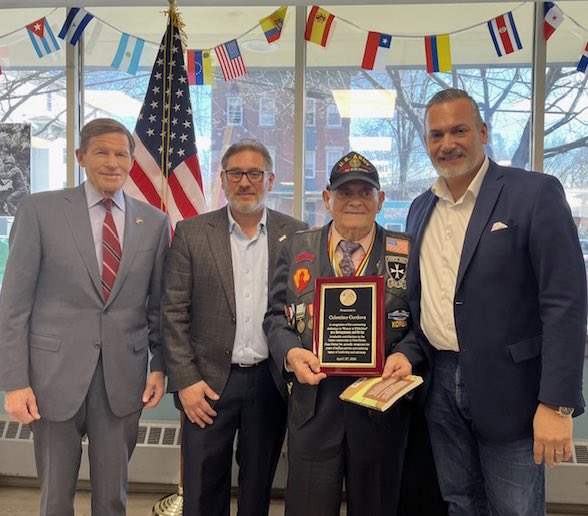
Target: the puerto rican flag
pixel 553 18
pixel 504 34
pixel 377 48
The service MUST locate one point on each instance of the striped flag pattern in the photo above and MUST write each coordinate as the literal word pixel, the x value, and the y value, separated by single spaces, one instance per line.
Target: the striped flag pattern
pixel 42 37
pixel 583 64
pixel 438 53
pixel 74 25
pixel 128 54
pixel 166 172
pixel 230 60
pixel 504 34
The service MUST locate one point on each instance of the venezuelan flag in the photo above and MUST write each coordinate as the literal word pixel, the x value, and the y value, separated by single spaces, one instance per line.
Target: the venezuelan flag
pixel 318 26
pixel 272 24
pixel 438 53
pixel 199 67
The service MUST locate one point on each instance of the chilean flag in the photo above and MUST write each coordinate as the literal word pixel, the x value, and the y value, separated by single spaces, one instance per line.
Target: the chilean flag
pixel 504 34
pixel 377 48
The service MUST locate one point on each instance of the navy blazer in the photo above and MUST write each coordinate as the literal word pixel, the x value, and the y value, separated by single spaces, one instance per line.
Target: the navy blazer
pixel 520 300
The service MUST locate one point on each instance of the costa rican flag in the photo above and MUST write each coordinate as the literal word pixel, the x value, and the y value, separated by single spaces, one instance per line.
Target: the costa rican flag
pixel 504 34
pixel 583 64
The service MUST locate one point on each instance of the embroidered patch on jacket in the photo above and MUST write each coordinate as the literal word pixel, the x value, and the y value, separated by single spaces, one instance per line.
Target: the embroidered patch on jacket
pixel 397 245
pixel 396 270
pixel 301 278
pixel 305 256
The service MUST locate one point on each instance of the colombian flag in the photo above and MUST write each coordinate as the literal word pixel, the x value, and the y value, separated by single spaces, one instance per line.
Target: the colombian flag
pixel 272 24
pixel 199 67
pixel 438 53
pixel 318 26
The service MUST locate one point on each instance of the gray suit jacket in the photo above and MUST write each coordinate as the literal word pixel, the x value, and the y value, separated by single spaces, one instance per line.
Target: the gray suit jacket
pixel 53 320
pixel 198 303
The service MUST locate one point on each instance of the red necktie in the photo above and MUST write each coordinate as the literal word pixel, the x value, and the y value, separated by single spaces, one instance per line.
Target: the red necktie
pixel 111 251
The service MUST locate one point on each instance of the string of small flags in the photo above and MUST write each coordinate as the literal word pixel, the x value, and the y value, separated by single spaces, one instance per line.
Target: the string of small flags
pixel 320 26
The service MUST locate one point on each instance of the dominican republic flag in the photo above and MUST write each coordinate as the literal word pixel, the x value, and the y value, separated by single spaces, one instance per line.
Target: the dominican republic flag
pixel 583 64
pixel 128 54
pixel 166 171
pixel 553 18
pixel 75 23
pixel 42 37
pixel 377 48
pixel 230 59
pixel 504 34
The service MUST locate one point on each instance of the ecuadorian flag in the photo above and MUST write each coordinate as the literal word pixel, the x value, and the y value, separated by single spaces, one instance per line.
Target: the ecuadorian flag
pixel 438 53
pixel 272 24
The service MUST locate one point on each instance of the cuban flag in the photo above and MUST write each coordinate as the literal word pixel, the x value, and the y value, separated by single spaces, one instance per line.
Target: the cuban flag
pixel 583 64
pixel 504 34
pixel 75 23
pixel 42 37
pixel 377 48
pixel 552 20
pixel 128 54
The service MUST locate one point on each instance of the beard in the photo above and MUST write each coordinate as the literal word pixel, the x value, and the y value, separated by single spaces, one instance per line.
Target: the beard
pixel 245 207
pixel 468 165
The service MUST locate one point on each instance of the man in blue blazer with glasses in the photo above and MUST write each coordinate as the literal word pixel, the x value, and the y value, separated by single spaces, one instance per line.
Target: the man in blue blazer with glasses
pixel 498 291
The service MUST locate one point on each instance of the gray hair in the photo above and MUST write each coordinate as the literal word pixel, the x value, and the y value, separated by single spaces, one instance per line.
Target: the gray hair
pixel 250 144
pixel 100 126
pixel 450 94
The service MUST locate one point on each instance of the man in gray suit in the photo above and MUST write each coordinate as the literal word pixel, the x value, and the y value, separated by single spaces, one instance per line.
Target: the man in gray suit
pixel 79 312
pixel 215 297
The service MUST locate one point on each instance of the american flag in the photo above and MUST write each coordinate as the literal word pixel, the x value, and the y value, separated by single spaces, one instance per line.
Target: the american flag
pixel 230 59
pixel 166 172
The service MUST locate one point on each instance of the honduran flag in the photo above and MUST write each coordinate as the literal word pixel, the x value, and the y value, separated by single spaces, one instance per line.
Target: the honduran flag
pixel 377 48
pixel 199 67
pixel 318 26
pixel 272 24
pixel 583 64
pixel 42 37
pixel 553 16
pixel 75 23
pixel 438 52
pixel 128 54
pixel 504 34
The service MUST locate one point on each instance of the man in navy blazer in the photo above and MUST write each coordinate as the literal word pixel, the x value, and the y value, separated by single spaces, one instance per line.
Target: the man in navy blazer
pixel 499 293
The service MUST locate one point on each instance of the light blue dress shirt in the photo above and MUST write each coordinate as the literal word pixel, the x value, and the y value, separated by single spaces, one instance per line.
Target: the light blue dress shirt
pixel 97 213
pixel 250 272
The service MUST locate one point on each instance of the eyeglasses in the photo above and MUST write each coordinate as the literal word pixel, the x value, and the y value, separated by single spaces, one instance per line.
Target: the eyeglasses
pixel 255 176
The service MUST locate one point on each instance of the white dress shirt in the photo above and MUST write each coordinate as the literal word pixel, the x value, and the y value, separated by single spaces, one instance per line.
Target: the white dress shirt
pixel 440 257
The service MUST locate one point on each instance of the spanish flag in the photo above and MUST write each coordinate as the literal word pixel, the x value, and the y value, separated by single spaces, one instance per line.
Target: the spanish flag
pixel 318 26
pixel 272 24
pixel 438 53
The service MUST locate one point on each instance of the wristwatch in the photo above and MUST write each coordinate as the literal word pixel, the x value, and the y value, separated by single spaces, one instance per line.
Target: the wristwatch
pixel 562 411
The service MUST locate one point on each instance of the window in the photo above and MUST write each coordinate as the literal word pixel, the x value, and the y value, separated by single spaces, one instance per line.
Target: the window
pixel 332 155
pixel 267 112
pixel 333 116
pixel 310 113
pixel 309 164
pixel 234 111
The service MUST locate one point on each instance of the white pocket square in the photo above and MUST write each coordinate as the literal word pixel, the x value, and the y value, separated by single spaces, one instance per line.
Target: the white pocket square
pixel 497 226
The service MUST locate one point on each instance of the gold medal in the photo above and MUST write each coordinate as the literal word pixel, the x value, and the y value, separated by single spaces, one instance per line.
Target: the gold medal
pixel 300 326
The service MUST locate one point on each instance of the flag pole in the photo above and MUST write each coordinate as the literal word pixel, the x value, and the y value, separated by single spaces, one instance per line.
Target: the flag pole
pixel 172 505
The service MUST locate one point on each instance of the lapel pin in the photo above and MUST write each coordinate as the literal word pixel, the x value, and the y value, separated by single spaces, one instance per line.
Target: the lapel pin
pixel 138 220
pixel 282 238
